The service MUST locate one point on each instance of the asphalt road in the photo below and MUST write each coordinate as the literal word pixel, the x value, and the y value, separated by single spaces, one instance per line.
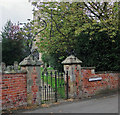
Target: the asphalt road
pixel 102 105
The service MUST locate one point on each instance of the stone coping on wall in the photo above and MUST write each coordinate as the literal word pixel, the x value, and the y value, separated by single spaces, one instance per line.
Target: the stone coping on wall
pixel 14 73
pixel 87 67
pixel 104 72
pixel 100 72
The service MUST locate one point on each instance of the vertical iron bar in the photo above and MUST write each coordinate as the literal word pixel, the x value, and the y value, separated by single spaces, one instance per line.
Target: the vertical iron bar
pixel 58 85
pixel 51 84
pixel 67 86
pixel 43 85
pixel 49 92
pixel 47 84
pixel 55 86
pixel 60 82
pixel 45 92
pixel 51 78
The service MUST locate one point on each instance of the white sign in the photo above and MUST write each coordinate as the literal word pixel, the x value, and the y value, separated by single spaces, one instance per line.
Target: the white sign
pixel 95 79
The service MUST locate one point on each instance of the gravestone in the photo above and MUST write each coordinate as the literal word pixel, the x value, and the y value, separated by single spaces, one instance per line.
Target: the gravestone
pixel 15 66
pixel 8 69
pixel 3 65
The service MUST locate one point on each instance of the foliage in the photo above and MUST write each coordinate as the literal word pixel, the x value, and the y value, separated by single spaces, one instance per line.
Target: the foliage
pixel 99 50
pixel 53 60
pixel 88 30
pixel 106 13
pixel 31 30
pixel 13 48
pixel 56 35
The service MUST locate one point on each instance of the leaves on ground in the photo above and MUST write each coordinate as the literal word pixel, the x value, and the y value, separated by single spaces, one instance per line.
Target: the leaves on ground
pixel 45 105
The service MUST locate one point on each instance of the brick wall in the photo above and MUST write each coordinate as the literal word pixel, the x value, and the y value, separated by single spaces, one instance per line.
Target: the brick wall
pixel 14 86
pixel 109 80
pixel 14 90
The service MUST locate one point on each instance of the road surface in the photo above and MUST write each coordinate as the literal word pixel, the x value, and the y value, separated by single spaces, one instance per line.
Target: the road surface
pixel 101 105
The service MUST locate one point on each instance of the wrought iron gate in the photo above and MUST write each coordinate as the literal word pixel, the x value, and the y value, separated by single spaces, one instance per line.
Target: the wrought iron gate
pixel 53 87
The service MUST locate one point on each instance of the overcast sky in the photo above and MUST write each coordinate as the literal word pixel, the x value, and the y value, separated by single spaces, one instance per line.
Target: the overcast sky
pixel 14 10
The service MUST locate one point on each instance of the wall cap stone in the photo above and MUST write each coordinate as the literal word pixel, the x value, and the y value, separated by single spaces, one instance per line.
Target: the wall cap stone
pixel 15 73
pixel 71 60
pixel 28 61
pixel 88 67
pixel 102 72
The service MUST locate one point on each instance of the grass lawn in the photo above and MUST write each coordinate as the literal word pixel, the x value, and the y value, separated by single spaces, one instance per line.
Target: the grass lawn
pixel 51 81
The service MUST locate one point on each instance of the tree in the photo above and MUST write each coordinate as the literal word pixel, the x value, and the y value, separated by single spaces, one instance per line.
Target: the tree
pixel 13 48
pixel 30 31
pixel 103 36
pixel 76 17
pixel 64 15
pixel 106 13
pixel 99 50
pixel 87 29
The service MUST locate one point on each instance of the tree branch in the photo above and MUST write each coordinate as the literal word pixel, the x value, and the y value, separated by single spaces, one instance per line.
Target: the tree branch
pixel 91 10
